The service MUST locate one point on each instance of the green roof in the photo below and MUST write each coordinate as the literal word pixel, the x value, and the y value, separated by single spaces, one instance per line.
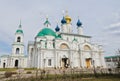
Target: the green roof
pixel 46 22
pixel 19 31
pixel 58 36
pixel 112 56
pixel 47 31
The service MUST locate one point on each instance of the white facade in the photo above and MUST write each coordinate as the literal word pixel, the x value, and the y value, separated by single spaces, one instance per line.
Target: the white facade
pixel 60 49
pixel 17 59
pixel 64 49
pixel 113 61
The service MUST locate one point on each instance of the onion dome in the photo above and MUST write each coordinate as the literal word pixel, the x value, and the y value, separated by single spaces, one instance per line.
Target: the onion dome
pixel 63 21
pixel 57 29
pixel 78 23
pixel 47 23
pixel 19 30
pixel 68 19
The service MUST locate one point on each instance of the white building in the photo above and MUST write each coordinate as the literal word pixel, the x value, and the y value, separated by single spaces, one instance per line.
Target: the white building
pixel 55 49
pixel 17 58
pixel 112 61
pixel 64 49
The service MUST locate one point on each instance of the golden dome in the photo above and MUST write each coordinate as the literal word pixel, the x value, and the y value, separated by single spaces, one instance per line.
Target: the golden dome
pixel 68 19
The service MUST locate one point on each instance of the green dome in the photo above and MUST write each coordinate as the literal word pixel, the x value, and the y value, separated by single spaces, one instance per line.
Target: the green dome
pixel 19 31
pixel 48 31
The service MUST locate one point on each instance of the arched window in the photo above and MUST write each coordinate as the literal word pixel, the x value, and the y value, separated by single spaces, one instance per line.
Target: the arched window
pixel 18 39
pixel 64 46
pixel 31 50
pixel 17 50
pixel 86 47
pixel 16 63
pixel 4 65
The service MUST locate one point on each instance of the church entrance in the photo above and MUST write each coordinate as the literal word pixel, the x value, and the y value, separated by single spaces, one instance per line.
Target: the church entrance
pixel 16 63
pixel 65 63
pixel 88 62
pixel 4 65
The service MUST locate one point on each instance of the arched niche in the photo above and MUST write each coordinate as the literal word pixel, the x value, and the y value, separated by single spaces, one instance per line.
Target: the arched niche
pixel 17 50
pixel 64 46
pixel 18 39
pixel 87 48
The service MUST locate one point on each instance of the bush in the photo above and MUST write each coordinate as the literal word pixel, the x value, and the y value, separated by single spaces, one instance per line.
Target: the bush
pixel 30 68
pixel 28 72
pixel 8 74
pixel 14 72
pixel 8 69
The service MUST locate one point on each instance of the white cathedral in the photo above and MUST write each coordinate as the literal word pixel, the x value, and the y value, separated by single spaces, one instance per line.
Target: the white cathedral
pixel 55 49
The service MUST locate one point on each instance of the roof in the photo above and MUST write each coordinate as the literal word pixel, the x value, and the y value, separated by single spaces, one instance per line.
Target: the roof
pixel 19 31
pixel 4 56
pixel 76 35
pixel 112 56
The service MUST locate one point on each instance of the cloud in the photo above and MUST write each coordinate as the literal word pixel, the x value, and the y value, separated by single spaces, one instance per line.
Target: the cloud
pixel 113 29
pixel 117 32
pixel 115 25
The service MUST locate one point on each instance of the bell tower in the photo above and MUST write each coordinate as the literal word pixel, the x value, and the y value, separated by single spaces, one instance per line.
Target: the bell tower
pixel 18 44
pixel 66 24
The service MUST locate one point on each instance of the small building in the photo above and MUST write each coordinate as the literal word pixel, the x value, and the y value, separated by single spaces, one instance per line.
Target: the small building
pixel 112 61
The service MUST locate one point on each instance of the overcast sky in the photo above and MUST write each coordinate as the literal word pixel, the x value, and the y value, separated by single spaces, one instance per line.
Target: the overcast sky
pixel 100 18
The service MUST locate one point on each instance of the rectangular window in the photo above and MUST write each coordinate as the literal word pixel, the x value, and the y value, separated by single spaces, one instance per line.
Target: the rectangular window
pixel 108 59
pixel 114 59
pixel 49 62
pixel 119 58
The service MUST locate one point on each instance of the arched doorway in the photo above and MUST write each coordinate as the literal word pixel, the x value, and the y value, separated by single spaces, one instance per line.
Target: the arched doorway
pixel 16 63
pixel 65 63
pixel 88 62
pixel 88 59
pixel 4 65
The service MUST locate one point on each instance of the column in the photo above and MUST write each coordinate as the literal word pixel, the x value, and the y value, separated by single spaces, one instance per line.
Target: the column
pixel 38 66
pixel 71 60
pixel 69 57
pixel 103 61
pixel 56 60
pixel 80 60
pixel 92 56
pixel 40 59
